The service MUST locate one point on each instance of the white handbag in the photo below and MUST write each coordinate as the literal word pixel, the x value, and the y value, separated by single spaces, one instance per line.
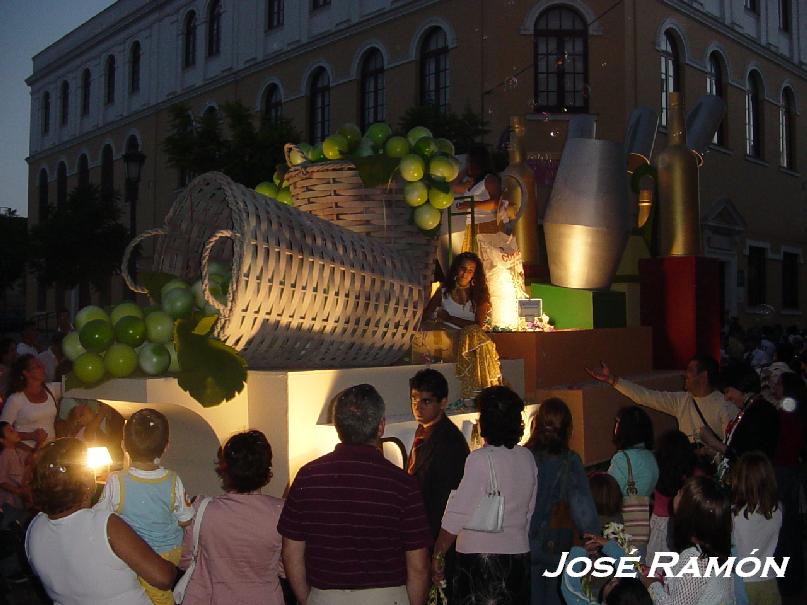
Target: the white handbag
pixel 488 515
pixel 182 585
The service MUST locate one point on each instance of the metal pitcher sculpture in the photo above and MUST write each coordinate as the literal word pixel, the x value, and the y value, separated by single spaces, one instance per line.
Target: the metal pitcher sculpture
pixel 587 221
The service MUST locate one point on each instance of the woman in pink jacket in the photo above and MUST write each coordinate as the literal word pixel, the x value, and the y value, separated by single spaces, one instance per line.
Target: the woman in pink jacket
pixel 238 559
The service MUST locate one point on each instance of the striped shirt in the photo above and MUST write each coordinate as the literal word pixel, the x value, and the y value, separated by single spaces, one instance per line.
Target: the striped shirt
pixel 358 514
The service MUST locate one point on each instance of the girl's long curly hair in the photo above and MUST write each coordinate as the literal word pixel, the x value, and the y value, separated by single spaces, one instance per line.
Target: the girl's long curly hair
pixel 479 293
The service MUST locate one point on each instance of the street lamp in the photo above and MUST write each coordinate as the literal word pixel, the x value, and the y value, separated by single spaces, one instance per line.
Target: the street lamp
pixel 133 161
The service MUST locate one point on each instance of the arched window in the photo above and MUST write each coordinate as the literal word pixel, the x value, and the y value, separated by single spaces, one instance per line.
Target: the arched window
pixel 86 83
pixel 561 61
pixel 372 88
pixel 42 187
pixel 83 170
pixel 109 80
pixel 134 67
pixel 214 28
pixel 787 130
pixel 64 103
pixel 61 184
pixel 319 94
pixel 44 117
pixel 107 173
pixel 670 72
pixel 753 115
pixel 189 31
pixel 272 104
pixel 716 85
pixel 434 72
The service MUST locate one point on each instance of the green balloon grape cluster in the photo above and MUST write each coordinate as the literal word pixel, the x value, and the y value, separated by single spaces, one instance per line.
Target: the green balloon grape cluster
pixel 117 342
pixel 277 189
pixel 426 164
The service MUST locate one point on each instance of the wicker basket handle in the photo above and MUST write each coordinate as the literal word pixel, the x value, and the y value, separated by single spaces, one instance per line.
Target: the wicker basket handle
pixel 287 149
pixel 124 263
pixel 206 251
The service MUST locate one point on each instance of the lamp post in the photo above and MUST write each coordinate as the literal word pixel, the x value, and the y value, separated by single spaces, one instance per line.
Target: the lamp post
pixel 133 165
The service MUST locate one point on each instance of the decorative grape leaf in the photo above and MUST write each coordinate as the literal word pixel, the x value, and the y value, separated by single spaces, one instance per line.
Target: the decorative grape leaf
pixel 205 324
pixel 211 372
pixel 154 281
pixel 376 170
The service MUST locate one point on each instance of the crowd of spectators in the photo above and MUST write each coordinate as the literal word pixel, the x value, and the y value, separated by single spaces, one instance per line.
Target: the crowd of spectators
pixel 354 528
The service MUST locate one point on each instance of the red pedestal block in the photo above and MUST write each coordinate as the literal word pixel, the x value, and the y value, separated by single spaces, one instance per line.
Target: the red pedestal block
pixel 680 300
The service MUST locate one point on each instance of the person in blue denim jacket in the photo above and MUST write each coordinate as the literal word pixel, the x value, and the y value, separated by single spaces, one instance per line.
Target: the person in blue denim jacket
pixel 562 486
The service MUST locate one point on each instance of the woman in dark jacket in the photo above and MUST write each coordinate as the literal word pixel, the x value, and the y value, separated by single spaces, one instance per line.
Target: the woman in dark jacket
pixel 562 486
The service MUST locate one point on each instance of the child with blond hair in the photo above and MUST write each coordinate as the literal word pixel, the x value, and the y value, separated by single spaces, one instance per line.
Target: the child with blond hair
pixel 150 498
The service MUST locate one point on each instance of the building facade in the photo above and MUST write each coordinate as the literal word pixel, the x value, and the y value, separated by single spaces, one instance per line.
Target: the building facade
pixel 107 87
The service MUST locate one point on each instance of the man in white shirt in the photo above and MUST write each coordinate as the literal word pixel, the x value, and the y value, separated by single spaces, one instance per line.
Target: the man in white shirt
pixel 701 384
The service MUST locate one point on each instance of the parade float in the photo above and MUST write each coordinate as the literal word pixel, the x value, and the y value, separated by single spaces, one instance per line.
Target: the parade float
pixel 280 297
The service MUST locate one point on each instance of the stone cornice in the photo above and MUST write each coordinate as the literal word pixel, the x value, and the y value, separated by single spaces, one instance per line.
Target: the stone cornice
pixel 757 47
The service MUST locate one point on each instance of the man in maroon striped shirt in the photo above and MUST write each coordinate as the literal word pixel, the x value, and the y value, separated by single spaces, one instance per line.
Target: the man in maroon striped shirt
pixel 354 526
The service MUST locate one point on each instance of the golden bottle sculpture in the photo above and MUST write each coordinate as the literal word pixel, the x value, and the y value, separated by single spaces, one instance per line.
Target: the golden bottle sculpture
pixel 518 188
pixel 679 198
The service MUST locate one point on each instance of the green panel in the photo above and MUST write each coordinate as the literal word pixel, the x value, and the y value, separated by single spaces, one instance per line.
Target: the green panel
pixel 581 309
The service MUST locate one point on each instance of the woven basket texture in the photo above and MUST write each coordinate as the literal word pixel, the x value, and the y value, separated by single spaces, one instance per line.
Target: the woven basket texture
pixel 305 293
pixel 333 190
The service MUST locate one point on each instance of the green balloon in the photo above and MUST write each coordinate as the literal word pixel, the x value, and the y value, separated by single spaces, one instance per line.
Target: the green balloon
pixel 71 346
pixel 130 331
pixel 159 327
pixel 174 284
pixel 127 309
pixel 178 302
pixel 154 359
pixel 96 336
pixel 88 314
pixel 120 360
pixel 89 368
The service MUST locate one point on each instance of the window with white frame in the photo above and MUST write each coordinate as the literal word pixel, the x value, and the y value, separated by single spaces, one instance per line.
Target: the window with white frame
pixel 372 88
pixel 319 117
pixel 787 130
pixel 670 72
pixel 189 42
pixel 560 46
pixel 716 85
pixel 753 115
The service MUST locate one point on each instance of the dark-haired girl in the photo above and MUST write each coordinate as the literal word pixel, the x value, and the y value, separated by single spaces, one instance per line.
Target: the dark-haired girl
pixel 676 462
pixel 239 548
pixel 31 407
pixel 462 306
pixel 701 530
pixel 633 438
pixel 492 567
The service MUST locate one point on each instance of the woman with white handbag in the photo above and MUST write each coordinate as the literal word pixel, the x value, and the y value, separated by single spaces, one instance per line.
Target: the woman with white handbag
pixel 489 513
pixel 233 544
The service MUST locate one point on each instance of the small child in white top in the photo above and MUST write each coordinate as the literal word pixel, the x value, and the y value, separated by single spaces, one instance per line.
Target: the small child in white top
pixel 150 498
pixel 757 517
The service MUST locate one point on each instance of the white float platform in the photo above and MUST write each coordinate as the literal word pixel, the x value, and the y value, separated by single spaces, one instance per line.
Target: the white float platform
pixel 290 407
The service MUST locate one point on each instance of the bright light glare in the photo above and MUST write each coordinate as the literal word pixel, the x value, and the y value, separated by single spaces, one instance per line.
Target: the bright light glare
pixel 98 457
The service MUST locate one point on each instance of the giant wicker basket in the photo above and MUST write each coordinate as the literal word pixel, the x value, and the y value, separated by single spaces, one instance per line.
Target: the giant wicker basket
pixel 333 190
pixel 305 293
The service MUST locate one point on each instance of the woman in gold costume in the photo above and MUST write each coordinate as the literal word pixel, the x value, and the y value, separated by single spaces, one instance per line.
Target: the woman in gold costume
pixel 462 306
